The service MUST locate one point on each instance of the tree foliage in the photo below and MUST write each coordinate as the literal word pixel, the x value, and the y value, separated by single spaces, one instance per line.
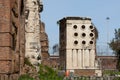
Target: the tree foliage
pixel 115 43
pixel 115 46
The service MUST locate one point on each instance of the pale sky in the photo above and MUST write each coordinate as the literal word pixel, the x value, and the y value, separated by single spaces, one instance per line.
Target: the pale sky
pixel 97 10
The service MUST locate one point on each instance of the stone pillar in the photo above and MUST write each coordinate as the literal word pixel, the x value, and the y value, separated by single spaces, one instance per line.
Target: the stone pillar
pixel 32 31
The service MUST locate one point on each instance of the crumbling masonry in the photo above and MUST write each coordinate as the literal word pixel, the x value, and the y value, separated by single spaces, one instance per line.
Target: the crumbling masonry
pixel 19 36
pixel 11 43
pixel 44 43
pixel 32 31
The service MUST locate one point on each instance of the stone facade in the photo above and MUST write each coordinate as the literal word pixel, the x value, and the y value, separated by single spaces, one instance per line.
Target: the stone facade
pixel 77 44
pixel 32 31
pixel 11 45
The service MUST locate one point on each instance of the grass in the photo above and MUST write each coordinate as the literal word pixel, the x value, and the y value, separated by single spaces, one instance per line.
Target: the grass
pixel 25 77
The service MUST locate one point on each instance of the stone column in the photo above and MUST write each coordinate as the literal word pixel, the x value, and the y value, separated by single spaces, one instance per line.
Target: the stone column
pixel 32 32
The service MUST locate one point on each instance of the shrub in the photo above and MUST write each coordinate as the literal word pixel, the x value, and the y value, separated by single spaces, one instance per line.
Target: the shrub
pixel 111 72
pixel 27 62
pixel 47 73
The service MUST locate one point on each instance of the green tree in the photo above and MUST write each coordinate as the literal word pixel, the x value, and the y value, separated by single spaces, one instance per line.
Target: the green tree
pixel 115 45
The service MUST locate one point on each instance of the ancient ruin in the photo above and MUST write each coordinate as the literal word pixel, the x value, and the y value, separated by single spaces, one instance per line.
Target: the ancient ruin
pixel 32 31
pixel 77 45
pixel 11 44
pixel 23 36
pixel 44 42
pixel 20 30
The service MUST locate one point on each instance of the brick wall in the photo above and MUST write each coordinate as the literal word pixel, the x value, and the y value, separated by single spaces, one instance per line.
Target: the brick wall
pixel 108 62
pixel 5 40
pixel 5 37
pixel 7 77
pixel 85 72
pixel 11 45
pixel 5 53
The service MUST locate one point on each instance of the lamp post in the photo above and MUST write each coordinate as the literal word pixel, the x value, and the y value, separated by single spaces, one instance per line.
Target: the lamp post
pixel 107 28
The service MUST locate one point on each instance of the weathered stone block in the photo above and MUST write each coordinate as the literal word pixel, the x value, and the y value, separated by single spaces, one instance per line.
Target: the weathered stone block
pixel 44 49
pixel 4 28
pixel 5 53
pixel 45 55
pixel 5 66
pixel 5 40
pixel 44 43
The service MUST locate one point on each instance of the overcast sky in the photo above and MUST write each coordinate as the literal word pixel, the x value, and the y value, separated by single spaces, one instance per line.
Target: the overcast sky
pixel 97 10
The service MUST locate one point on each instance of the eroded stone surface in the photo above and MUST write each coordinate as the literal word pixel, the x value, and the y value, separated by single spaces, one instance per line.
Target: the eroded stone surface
pixel 32 31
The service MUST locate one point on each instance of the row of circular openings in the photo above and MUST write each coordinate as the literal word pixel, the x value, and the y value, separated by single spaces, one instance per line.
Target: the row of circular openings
pixel 83 34
pixel 83 27
pixel 83 42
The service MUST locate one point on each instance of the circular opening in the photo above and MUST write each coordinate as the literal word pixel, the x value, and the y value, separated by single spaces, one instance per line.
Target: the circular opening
pixel 75 26
pixel 75 42
pixel 83 34
pixel 91 42
pixel 92 30
pixel 83 26
pixel 83 42
pixel 91 27
pixel 91 34
pixel 75 34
